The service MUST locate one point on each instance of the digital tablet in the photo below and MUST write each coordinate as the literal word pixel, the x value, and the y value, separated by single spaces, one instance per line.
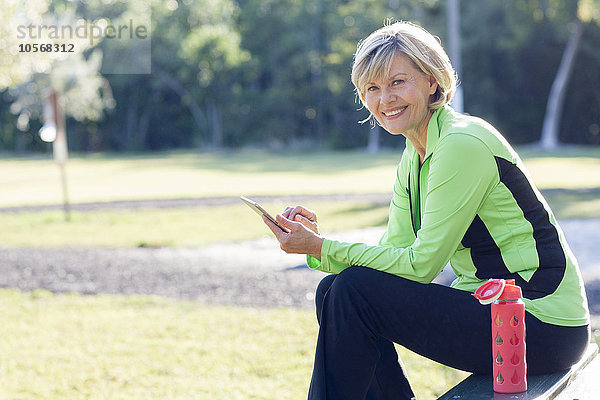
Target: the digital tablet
pixel 261 211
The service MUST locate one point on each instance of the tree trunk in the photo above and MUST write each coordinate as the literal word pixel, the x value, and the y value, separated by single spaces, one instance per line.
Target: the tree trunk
pixel 126 143
pixel 453 22
pixel 550 130
pixel 373 146
pixel 142 131
pixel 186 98
pixel 215 119
pixel 136 127
pixel 316 73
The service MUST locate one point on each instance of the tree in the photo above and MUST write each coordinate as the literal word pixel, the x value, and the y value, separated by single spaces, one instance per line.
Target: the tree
pixel 30 75
pixel 16 67
pixel 587 11
pixel 454 50
pixel 277 72
pixel 85 94
pixel 507 50
pixel 213 49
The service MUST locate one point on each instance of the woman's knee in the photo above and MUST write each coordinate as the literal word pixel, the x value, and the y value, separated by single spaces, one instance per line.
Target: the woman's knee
pixel 372 289
pixel 345 279
pixel 321 291
pixel 323 287
pixel 354 281
pixel 360 278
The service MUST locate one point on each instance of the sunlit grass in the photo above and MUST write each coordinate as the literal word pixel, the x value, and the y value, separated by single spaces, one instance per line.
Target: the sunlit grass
pixel 200 226
pixel 251 172
pixel 141 347
pixel 574 205
pixel 185 174
pixel 565 173
pixel 108 177
pixel 183 227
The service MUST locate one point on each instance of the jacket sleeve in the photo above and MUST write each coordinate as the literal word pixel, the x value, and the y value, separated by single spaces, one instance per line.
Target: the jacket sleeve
pixel 462 172
pixel 399 232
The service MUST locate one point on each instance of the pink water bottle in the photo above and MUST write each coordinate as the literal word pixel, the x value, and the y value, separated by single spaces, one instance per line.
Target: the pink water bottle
pixel 508 334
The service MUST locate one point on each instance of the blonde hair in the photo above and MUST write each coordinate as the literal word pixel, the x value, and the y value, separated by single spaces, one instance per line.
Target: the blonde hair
pixel 375 54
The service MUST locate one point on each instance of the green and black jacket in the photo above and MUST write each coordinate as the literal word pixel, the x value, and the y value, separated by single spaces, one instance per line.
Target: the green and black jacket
pixel 471 203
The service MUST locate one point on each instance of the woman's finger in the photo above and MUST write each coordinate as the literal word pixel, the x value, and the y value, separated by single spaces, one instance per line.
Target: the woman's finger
pixel 305 212
pixel 286 212
pixel 307 223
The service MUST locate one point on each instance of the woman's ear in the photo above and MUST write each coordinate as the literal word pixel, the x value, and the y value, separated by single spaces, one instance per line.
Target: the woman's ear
pixel 433 85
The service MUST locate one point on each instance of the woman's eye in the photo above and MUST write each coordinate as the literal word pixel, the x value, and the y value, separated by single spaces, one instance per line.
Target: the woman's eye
pixel 398 82
pixel 371 88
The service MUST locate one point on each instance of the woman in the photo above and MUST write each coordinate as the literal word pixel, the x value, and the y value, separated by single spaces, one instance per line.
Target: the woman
pixel 461 195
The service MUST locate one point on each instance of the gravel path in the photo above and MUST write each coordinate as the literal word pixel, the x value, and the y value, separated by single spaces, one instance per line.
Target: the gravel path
pixel 250 273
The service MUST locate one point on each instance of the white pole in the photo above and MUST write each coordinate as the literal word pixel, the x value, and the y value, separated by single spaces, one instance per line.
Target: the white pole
pixel 60 149
pixel 453 23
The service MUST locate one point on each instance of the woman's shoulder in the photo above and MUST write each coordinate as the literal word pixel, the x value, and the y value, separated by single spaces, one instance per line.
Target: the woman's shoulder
pixel 465 129
pixel 450 121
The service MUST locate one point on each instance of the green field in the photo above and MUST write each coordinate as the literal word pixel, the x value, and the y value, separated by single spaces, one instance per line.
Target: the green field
pixel 182 227
pixel 27 181
pixel 100 178
pixel 71 346
pixel 141 347
pixel 107 177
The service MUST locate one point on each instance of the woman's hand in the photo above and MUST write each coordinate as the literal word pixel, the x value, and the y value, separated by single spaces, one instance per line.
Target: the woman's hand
pixel 302 238
pixel 303 215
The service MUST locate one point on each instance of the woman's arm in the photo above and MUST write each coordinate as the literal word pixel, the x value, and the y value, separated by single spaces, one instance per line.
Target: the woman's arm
pixel 462 172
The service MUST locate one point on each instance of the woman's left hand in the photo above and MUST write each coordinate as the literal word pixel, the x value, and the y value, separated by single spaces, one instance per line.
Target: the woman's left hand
pixel 299 240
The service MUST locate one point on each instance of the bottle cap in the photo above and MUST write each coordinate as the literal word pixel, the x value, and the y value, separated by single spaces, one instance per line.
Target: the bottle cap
pixel 511 291
pixel 490 291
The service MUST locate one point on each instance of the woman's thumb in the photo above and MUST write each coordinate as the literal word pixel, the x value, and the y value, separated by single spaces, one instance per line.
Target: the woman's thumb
pixel 288 223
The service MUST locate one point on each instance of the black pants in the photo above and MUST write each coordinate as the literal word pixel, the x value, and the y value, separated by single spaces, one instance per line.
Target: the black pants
pixel 362 312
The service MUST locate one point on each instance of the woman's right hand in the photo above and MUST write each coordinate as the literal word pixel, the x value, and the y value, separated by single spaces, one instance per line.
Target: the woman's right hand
pixel 303 215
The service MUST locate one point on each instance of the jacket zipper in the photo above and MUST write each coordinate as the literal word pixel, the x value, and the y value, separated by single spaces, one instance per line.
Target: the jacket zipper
pixel 410 205
pixel 416 219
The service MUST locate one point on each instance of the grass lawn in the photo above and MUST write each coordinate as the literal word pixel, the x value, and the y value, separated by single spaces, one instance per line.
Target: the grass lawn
pixel 185 227
pixel 106 177
pixel 70 346
pixel 571 168
pixel 200 226
pixel 186 174
pixel 251 172
pixel 140 347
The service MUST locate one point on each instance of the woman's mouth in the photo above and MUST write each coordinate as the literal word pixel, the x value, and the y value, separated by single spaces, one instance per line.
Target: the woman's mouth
pixel 393 113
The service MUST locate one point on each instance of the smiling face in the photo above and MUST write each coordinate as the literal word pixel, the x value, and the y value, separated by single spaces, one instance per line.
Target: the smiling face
pixel 400 100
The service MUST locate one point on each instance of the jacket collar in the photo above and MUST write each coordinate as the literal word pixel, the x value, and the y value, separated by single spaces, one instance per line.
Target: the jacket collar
pixel 433 131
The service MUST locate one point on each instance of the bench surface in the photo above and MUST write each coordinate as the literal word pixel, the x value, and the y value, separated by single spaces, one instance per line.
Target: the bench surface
pixel 571 384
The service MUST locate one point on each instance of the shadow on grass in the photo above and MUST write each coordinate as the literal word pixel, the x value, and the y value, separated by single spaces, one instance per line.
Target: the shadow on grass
pixel 567 151
pixel 574 203
pixel 258 161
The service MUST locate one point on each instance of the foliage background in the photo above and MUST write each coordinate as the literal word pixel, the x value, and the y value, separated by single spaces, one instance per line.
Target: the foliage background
pixel 275 73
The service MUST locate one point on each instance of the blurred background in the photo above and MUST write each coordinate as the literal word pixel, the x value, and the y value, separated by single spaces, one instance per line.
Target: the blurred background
pixel 246 73
pixel 128 130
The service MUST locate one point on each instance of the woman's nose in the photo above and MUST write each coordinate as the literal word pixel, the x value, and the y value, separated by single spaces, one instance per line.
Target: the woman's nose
pixel 387 95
